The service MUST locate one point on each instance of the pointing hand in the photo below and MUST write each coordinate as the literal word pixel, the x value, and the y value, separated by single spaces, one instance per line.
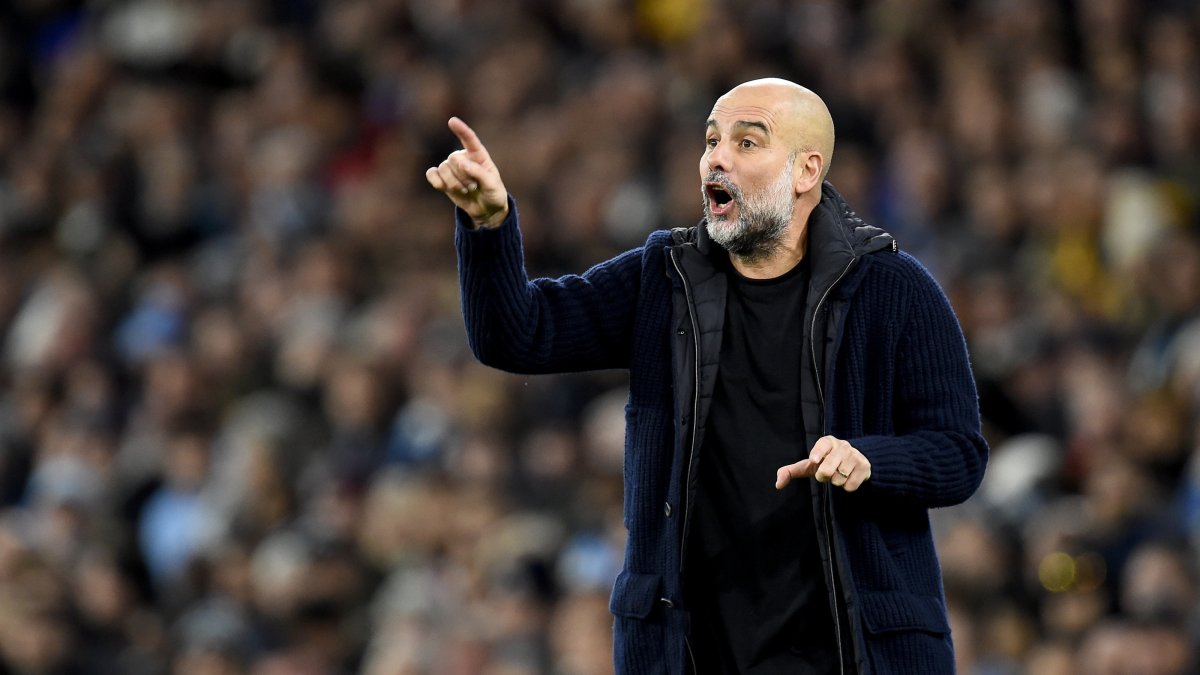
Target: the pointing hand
pixel 832 460
pixel 470 179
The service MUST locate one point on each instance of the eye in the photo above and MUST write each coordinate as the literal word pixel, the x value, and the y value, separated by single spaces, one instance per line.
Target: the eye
pixel 747 144
pixel 710 142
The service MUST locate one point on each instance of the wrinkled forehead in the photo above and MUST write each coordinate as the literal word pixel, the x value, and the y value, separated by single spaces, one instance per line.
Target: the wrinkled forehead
pixel 727 116
pixel 757 105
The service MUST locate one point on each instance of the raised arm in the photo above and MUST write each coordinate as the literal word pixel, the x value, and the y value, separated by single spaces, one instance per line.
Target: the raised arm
pixel 572 323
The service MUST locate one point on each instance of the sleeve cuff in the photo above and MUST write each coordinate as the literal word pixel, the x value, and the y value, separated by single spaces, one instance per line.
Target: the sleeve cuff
pixel 464 224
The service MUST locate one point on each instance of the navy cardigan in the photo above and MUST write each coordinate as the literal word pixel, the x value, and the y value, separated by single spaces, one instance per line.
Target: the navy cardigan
pixel 897 385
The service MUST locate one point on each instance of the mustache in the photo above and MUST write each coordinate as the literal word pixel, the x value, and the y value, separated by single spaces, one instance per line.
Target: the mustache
pixel 727 185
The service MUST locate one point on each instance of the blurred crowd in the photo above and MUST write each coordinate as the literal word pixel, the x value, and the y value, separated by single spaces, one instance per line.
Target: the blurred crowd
pixel 240 432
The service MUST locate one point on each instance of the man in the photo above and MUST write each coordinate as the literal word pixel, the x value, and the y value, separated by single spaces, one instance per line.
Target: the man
pixel 781 338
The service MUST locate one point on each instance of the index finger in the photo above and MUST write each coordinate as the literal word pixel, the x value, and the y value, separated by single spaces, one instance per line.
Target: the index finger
pixel 466 136
pixel 785 474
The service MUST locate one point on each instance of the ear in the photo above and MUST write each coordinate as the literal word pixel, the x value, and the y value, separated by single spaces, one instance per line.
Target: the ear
pixel 808 172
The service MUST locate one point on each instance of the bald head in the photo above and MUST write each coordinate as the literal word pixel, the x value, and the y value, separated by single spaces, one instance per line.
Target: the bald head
pixel 802 118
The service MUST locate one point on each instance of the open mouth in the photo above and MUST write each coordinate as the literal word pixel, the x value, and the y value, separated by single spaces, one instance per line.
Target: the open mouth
pixel 720 201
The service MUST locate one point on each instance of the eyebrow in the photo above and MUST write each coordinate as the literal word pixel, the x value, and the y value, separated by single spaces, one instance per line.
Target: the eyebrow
pixel 742 124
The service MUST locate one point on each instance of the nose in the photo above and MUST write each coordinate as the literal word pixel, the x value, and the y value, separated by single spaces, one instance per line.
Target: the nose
pixel 720 154
pixel 715 158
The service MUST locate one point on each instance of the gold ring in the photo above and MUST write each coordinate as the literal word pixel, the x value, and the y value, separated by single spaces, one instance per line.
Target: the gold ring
pixel 844 474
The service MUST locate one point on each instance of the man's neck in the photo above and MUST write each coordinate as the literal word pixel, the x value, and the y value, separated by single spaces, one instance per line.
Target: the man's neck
pixel 769 268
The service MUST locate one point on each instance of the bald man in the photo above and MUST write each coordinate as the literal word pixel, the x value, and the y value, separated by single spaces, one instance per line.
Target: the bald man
pixel 800 396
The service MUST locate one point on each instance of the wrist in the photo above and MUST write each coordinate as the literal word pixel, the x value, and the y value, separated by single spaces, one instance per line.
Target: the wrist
pixel 493 219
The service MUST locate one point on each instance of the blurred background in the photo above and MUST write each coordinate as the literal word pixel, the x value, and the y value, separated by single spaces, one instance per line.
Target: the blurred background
pixel 239 428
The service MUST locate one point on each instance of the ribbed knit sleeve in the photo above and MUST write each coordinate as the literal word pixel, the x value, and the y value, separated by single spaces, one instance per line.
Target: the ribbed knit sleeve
pixel 937 454
pixel 571 323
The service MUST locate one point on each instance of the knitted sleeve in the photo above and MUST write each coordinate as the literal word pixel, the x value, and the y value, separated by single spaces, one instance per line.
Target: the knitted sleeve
pixel 938 454
pixel 571 323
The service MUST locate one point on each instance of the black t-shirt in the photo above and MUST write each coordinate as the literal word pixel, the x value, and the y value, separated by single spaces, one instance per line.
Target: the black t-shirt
pixel 754 578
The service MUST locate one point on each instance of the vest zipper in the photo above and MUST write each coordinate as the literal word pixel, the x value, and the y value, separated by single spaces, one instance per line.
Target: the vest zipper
pixel 687 501
pixel 812 335
pixel 825 502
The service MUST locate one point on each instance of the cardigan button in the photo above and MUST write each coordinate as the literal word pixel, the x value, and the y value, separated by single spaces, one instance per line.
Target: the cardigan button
pixel 667 602
pixel 667 509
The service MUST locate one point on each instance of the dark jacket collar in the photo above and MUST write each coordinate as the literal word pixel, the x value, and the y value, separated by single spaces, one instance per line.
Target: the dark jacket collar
pixel 837 237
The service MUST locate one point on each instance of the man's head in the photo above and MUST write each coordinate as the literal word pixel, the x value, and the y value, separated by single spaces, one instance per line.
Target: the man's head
pixel 768 144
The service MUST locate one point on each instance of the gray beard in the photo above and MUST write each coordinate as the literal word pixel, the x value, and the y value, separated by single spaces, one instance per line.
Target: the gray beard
pixel 762 219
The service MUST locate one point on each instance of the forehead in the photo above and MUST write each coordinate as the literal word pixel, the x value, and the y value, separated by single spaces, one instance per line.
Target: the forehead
pixel 754 107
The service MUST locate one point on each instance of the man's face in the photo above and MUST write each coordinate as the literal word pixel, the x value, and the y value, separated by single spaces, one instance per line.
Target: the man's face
pixel 746 174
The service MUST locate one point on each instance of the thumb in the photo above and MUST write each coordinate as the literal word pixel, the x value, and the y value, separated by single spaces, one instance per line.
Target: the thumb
pixel 805 468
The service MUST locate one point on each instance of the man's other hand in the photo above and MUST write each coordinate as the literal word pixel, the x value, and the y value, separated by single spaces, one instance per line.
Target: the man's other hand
pixel 831 460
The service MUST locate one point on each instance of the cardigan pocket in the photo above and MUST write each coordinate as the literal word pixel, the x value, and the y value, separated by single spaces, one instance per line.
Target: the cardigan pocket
pixel 635 595
pixel 889 612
